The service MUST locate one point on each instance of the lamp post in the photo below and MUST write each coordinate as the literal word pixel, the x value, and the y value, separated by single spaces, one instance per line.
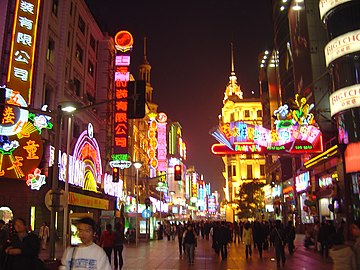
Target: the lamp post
pixel 137 166
pixel 55 203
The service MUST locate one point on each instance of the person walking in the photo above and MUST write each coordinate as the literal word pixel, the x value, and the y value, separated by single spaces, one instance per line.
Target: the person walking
pixel 290 236
pixel 107 239
pixel 24 249
pixel 44 234
pixel 224 237
pixel 341 254
pixel 118 245
pixel 180 232
pixel 87 255
pixel 236 232
pixel 4 237
pixel 247 238
pixel 259 237
pixel 189 240
pixel 278 237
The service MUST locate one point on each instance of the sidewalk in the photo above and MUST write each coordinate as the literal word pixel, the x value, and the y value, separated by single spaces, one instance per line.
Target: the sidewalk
pixel 163 254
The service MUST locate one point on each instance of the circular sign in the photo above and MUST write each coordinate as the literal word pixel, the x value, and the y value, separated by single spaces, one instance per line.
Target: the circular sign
pixel 146 214
pixel 124 39
pixel 162 118
pixel 48 200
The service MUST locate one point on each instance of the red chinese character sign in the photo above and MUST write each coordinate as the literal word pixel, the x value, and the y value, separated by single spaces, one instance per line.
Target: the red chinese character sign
pixel 124 42
pixel 296 132
pixel 21 146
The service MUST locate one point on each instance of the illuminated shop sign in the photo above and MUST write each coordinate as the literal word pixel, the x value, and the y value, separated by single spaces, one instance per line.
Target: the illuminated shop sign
pixel 23 44
pixel 88 201
pixel 326 5
pixel 124 42
pixel 352 157
pixel 159 205
pixel 211 203
pixel 153 145
pixel 296 133
pixel 344 99
pixel 21 146
pixel 161 137
pixel 325 181
pixel 194 186
pixel 342 45
pixel 302 181
pixel 111 188
pixel 85 169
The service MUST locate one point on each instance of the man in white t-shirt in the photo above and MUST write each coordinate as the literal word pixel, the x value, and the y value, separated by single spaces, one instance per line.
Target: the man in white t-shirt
pixel 88 255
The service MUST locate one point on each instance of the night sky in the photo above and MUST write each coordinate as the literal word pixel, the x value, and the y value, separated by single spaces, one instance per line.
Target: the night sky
pixel 188 48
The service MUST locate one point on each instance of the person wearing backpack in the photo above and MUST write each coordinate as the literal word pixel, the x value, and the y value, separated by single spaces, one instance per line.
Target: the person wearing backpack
pixel 118 245
pixel 189 240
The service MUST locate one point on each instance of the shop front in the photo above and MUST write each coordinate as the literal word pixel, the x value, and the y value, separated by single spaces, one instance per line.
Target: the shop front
pixel 327 194
pixel 289 200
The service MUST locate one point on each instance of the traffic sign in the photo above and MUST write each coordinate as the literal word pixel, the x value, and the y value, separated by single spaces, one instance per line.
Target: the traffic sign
pixel 146 213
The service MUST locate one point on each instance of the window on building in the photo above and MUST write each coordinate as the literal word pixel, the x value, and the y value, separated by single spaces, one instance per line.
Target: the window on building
pixel 91 68
pixel 248 156
pixel 229 171
pixel 50 55
pixel 77 87
pixel 247 113
pixel 81 25
pixel 92 42
pixel 71 8
pixel 49 96
pixel 79 53
pixel 262 170
pixel 68 39
pixel 234 170
pixel 55 6
pixel 232 117
pixel 249 172
pixel 259 113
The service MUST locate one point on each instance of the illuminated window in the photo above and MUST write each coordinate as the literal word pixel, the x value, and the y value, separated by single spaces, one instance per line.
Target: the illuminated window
pixel 247 113
pixel 92 42
pixel 232 117
pixel 50 56
pixel 79 53
pixel 259 113
pixel 262 170
pixel 249 172
pixel 91 68
pixel 55 6
pixel 229 171
pixel 81 25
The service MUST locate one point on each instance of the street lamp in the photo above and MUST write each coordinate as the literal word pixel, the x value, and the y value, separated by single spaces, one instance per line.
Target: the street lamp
pixel 55 201
pixel 137 166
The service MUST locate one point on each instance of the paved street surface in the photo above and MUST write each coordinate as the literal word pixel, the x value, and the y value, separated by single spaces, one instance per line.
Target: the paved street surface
pixel 164 254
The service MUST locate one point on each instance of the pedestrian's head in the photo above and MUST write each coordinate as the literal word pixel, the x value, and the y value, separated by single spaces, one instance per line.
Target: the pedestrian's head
pixel 86 229
pixel 108 227
pixel 20 225
pixel 190 227
pixel 278 223
pixel 355 229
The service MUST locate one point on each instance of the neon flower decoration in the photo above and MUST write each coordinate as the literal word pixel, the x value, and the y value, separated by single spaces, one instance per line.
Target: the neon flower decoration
pixel 41 121
pixel 296 133
pixel 36 180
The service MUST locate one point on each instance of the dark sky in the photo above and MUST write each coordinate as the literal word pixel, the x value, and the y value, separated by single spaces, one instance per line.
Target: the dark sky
pixel 188 48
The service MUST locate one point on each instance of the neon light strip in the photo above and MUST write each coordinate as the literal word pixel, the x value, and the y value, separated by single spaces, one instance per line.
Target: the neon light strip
pixel 321 156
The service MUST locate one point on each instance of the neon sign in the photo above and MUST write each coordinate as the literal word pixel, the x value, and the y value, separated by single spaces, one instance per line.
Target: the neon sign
pixel 296 133
pixel 23 44
pixel 302 181
pixel 161 137
pixel 124 41
pixel 153 145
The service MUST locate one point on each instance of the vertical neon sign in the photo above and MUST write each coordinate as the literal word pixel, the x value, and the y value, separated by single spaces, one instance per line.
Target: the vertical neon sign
pixel 161 135
pixel 22 54
pixel 124 42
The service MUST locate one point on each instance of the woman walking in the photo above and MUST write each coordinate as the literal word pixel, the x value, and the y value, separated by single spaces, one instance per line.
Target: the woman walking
pixel 248 239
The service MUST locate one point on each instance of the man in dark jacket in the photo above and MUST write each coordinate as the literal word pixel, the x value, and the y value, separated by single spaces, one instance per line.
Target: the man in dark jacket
pixel 24 249
pixel 224 238
pixel 290 236
pixel 278 237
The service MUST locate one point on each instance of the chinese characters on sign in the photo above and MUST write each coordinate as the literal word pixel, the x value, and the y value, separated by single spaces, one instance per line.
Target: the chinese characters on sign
pixel 122 77
pixel 23 47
